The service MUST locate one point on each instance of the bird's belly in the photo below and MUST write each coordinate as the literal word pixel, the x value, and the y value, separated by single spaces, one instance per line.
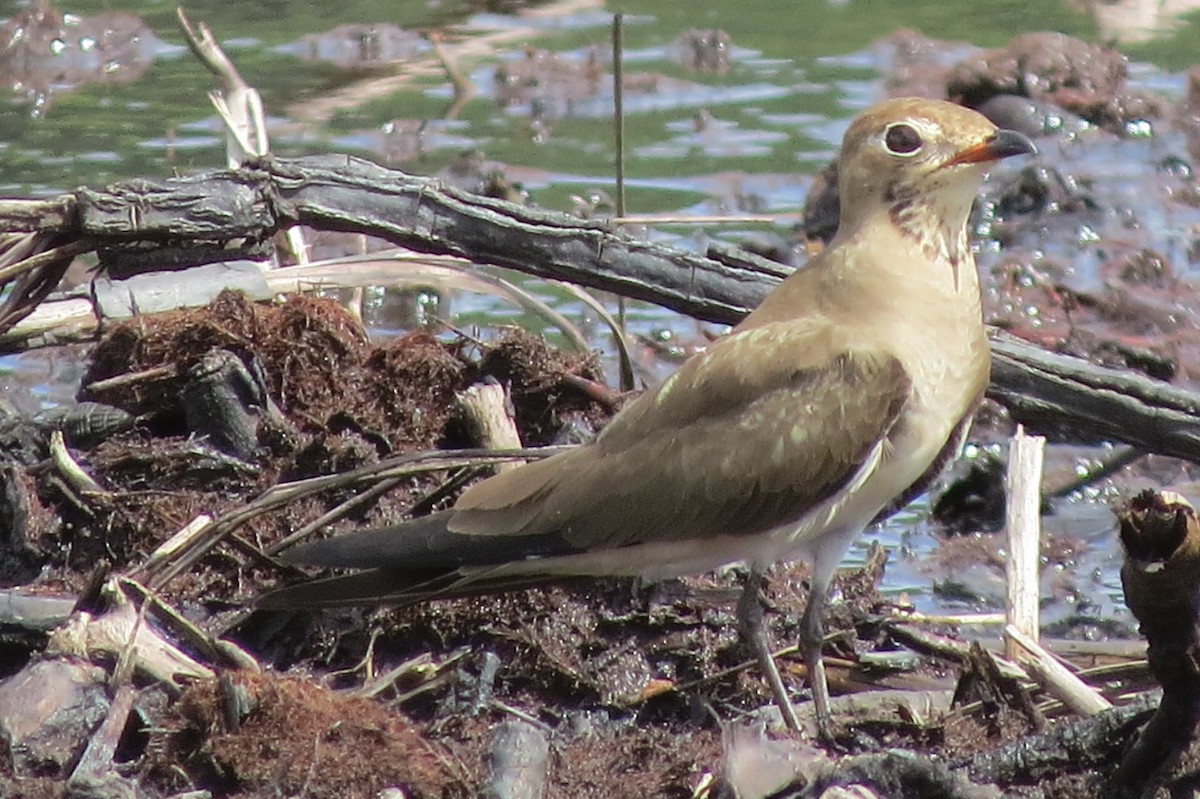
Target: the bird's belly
pixel 655 560
pixel 910 453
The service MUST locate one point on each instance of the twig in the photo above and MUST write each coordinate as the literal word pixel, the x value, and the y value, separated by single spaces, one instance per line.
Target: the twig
pixel 464 90
pixel 70 469
pixel 97 758
pixel 241 109
pixel 1059 681
pixel 131 378
pixel 702 219
pixel 215 649
pixel 1023 527
pixel 945 647
pixel 45 258
pixel 1116 461
pixel 333 514
pixel 31 280
pixel 916 617
pixel 618 47
pixel 597 392
pixel 617 326
pixel 164 551
pixel 521 714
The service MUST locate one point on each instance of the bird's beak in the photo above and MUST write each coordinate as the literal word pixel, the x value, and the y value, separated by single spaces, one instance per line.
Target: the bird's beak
pixel 1001 144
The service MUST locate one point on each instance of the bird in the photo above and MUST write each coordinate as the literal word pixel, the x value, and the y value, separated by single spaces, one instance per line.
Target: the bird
pixel 835 402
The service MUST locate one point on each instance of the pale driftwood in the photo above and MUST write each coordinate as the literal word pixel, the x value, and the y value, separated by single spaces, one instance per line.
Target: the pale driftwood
pixel 215 650
pixel 1048 392
pixel 916 617
pixel 948 648
pixel 1023 523
pixel 487 411
pixel 1023 528
pixel 75 475
pixel 1057 680
pixel 166 550
pixel 77 314
pixel 86 636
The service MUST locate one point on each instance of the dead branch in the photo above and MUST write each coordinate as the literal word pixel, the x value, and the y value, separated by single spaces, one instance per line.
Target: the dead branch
pixel 354 195
pixel 1068 397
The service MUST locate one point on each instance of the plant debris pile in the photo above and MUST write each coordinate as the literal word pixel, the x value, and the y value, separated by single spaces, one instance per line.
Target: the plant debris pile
pixel 322 400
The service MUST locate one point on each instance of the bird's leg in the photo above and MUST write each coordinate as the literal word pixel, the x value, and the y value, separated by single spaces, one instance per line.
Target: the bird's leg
pixel 750 620
pixel 812 637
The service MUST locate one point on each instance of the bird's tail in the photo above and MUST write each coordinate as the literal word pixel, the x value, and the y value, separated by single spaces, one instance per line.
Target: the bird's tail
pixel 386 587
pixel 411 562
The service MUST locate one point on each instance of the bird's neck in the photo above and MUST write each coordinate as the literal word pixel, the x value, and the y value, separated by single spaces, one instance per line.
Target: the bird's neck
pixel 940 233
pixel 894 261
pixel 883 264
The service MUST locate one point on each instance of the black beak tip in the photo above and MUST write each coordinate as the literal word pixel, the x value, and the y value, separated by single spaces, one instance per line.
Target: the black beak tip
pixel 1008 143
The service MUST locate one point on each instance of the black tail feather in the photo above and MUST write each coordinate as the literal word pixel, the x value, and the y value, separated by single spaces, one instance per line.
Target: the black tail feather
pixel 388 587
pixel 423 544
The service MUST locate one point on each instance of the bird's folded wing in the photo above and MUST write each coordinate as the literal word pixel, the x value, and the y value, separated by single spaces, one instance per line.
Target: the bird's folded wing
pixel 747 437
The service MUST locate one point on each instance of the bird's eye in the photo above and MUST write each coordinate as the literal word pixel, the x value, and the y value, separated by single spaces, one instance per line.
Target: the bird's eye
pixel 901 139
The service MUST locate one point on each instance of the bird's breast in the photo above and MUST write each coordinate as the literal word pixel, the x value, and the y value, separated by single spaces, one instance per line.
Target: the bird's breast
pixel 949 363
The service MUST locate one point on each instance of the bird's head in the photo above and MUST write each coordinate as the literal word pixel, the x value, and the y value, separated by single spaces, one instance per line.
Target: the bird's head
pixel 920 161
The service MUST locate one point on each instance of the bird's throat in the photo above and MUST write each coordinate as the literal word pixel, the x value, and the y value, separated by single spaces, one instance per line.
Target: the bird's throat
pixel 939 232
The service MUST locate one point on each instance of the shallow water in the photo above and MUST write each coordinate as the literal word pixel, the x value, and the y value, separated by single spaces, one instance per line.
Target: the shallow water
pixel 742 136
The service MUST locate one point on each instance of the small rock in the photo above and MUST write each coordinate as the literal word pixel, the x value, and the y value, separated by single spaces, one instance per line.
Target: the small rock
pixel 706 51
pixel 107 786
pixel 48 711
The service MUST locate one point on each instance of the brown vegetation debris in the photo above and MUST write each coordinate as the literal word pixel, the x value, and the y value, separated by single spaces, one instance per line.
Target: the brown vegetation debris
pixel 333 403
pixel 644 762
pixel 542 400
pixel 307 346
pixel 297 738
pixel 124 528
pixel 411 387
